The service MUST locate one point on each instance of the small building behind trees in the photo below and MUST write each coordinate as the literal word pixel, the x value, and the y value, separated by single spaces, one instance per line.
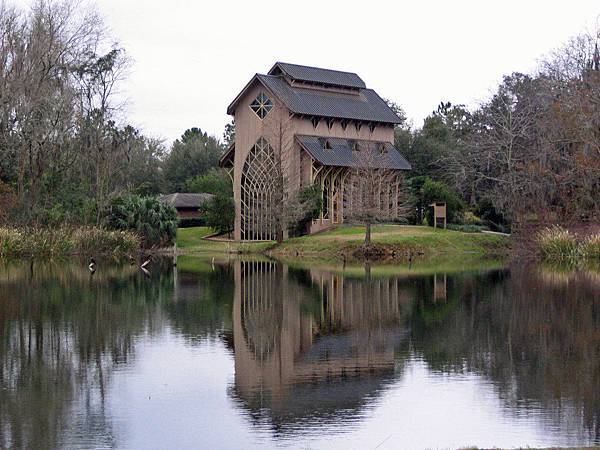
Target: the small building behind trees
pixel 299 126
pixel 188 205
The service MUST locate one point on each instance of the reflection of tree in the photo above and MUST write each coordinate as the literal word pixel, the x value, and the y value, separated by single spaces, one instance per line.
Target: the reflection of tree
pixel 308 344
pixel 63 332
pixel 537 341
pixel 202 308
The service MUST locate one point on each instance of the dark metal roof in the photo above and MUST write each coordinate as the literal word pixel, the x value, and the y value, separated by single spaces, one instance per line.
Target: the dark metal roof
pixel 185 200
pixel 318 75
pixel 342 153
pixel 364 105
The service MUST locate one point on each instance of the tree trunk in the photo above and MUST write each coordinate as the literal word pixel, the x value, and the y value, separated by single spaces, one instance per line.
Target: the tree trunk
pixel 368 234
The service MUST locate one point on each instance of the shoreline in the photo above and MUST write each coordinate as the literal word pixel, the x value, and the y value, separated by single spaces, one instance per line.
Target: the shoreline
pixel 390 243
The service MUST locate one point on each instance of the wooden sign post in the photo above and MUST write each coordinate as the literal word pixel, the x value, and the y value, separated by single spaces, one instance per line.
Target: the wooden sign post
pixel 439 212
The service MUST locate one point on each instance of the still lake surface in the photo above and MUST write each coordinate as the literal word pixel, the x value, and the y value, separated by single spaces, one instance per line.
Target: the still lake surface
pixel 257 354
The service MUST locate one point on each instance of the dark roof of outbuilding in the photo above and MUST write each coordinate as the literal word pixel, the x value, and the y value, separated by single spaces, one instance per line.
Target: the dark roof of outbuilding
pixel 185 200
pixel 364 105
pixel 318 75
pixel 343 154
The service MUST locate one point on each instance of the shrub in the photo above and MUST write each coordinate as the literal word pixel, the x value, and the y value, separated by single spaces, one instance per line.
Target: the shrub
pixel 219 213
pixel 215 181
pixel 436 191
pixel 557 244
pixel 189 222
pixel 464 228
pixel 590 247
pixel 468 218
pixel 154 222
pixel 491 217
pixel 308 204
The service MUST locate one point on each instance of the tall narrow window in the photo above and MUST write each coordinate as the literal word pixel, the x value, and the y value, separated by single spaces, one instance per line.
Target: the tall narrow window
pixel 258 193
pixel 261 105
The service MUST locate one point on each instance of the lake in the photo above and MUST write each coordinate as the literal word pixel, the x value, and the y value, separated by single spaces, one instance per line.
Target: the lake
pixel 235 354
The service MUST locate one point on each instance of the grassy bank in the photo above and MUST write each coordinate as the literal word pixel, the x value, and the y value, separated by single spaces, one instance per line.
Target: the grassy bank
pixel 56 242
pixel 344 241
pixel 191 240
pixel 398 239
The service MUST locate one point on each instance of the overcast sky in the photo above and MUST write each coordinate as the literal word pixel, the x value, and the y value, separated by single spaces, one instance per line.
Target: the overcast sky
pixel 191 58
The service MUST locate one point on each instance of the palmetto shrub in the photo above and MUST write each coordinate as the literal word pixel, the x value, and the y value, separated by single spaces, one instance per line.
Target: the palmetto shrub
pixel 154 222
pixel 557 244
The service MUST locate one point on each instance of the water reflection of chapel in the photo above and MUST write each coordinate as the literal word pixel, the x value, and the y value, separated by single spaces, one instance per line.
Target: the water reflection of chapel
pixel 293 329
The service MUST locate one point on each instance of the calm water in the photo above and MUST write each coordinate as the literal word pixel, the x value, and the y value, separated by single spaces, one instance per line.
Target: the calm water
pixel 232 354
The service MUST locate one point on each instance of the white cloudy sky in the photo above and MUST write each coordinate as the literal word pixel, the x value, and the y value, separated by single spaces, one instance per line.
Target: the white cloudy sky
pixel 192 57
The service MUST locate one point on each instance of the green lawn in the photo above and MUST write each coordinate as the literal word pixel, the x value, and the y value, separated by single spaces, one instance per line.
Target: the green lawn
pixel 419 238
pixel 190 240
pixel 191 237
pixel 342 240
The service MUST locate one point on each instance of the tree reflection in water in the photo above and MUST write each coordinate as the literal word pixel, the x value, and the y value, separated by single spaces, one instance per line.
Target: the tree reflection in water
pixel 309 345
pixel 313 345
pixel 64 332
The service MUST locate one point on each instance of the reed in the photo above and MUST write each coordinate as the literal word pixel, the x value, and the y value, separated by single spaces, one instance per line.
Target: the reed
pixel 54 242
pixel 557 244
pixel 591 247
pixel 92 240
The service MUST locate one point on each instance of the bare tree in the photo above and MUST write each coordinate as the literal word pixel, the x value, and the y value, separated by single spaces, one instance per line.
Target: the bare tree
pixel 97 78
pixel 500 146
pixel 375 192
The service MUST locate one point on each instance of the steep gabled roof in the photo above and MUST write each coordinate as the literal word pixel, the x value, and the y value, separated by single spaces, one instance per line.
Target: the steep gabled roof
pixel 318 75
pixel 364 104
pixel 342 152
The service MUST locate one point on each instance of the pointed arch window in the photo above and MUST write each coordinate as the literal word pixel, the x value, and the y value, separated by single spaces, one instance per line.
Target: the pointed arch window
pixel 258 193
pixel 261 105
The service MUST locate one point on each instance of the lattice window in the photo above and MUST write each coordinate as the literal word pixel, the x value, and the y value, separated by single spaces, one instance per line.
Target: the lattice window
pixel 261 105
pixel 258 183
pixel 261 307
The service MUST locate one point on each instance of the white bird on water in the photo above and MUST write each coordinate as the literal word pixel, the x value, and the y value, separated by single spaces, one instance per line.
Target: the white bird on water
pixel 143 267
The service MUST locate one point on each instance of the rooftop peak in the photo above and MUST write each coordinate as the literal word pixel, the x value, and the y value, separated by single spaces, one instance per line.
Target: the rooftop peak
pixel 318 75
